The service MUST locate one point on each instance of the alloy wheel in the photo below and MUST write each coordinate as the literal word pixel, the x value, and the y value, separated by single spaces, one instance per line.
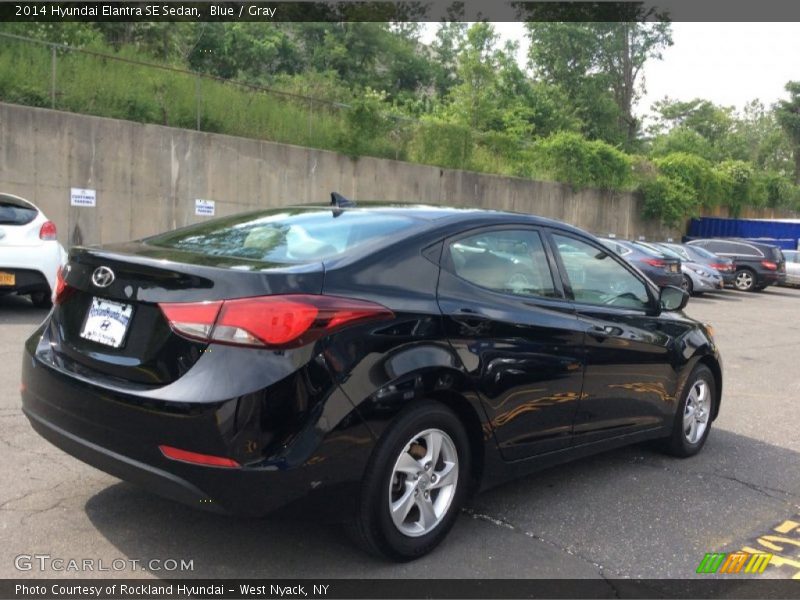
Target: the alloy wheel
pixel 423 482
pixel 744 280
pixel 696 413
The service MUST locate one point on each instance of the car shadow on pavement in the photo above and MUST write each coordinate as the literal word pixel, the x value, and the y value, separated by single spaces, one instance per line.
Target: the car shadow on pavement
pixel 783 291
pixel 18 310
pixel 629 512
pixel 726 296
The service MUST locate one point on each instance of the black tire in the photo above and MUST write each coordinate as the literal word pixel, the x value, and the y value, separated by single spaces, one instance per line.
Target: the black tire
pixel 745 280
pixel 687 285
pixel 42 299
pixel 678 443
pixel 372 527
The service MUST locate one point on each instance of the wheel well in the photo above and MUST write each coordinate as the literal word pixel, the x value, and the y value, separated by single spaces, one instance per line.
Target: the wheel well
pixel 472 423
pixel 713 365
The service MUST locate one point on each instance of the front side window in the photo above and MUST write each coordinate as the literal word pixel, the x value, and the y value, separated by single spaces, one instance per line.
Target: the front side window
pixel 596 278
pixel 507 261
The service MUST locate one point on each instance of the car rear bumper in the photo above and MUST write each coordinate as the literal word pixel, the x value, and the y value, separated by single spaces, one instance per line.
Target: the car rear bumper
pixel 121 435
pixel 42 261
pixel 157 480
pixel 665 279
pixel 769 278
pixel 25 281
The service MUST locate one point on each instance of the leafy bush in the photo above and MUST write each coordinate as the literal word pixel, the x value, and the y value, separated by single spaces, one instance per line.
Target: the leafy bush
pixel 571 158
pixel 668 199
pixel 697 173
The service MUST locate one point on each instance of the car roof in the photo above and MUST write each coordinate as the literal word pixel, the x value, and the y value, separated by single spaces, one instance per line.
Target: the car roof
pixel 445 215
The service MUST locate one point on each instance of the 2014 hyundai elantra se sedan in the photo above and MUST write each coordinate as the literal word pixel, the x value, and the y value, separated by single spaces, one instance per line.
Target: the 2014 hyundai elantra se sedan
pixel 387 359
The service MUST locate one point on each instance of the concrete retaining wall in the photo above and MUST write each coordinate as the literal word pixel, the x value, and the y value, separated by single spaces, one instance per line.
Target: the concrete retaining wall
pixel 147 178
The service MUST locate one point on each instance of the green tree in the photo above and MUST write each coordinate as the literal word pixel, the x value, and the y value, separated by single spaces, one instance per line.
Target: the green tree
pixel 788 114
pixel 595 62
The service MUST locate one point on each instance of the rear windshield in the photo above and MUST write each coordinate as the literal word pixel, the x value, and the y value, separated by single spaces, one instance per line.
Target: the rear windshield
pixel 14 214
pixel 645 250
pixel 285 236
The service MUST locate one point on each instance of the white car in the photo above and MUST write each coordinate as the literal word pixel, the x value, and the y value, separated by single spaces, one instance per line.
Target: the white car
pixel 30 255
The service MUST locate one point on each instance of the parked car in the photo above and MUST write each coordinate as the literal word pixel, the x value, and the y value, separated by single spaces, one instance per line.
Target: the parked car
pixel 387 360
pixel 758 265
pixel 30 254
pixel 697 278
pixel 662 270
pixel 792 267
pixel 723 265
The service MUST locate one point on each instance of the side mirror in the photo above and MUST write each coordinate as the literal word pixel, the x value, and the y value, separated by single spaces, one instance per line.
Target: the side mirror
pixel 672 298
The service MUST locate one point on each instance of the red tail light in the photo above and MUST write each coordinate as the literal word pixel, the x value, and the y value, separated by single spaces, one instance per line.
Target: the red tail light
pixel 48 231
pixel 655 262
pixel 269 321
pixel 63 291
pixel 198 459
pixel 769 265
pixel 722 266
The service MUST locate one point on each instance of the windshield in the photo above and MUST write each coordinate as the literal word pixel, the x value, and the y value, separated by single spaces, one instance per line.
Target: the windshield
pixel 289 236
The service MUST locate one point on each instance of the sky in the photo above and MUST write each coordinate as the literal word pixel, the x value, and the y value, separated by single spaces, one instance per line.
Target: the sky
pixel 726 63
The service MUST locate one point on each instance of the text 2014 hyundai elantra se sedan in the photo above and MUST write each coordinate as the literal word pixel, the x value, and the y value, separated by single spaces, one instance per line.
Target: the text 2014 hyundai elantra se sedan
pixel 394 359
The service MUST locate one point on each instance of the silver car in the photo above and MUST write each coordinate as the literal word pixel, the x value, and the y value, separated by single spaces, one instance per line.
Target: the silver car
pixel 792 267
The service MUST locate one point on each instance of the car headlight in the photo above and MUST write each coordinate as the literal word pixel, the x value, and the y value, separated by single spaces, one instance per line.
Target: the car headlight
pixel 709 330
pixel 700 272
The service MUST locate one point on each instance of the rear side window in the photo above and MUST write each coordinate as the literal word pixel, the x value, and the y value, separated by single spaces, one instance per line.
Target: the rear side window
pixel 725 247
pixel 507 261
pixel 285 236
pixel 14 214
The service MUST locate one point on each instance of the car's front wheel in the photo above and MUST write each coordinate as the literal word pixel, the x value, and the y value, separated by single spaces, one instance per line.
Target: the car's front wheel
pixel 415 483
pixel 693 419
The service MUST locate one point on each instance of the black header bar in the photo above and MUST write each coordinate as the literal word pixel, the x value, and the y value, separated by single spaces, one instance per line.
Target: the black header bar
pixel 413 10
pixel 334 589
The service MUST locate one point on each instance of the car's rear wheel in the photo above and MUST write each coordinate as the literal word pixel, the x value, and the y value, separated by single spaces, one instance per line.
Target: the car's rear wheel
pixel 745 280
pixel 414 485
pixel 41 299
pixel 693 419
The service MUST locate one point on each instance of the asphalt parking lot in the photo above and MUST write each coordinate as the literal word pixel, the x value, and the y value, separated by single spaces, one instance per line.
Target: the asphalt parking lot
pixel 626 513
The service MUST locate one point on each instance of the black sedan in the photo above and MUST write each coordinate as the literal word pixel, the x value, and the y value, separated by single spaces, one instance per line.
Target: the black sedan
pixel 388 360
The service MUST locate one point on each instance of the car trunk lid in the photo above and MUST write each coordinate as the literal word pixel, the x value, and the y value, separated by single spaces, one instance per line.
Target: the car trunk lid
pixel 108 319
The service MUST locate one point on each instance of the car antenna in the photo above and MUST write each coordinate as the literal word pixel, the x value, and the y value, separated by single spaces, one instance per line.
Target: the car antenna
pixel 339 202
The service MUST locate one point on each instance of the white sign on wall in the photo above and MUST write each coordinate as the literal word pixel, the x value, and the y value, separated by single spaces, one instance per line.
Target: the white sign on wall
pixel 82 197
pixel 204 208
